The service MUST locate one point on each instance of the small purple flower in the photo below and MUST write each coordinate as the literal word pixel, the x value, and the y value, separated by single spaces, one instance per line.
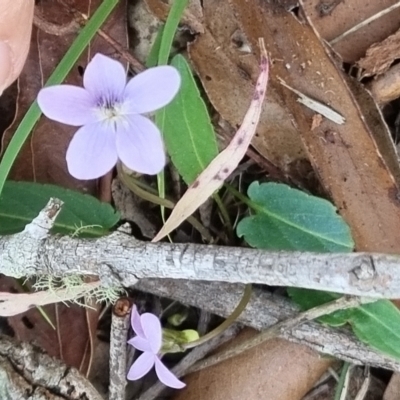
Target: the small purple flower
pixel 109 109
pixel 149 340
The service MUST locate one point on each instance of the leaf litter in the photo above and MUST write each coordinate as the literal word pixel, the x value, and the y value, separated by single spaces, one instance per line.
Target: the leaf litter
pixel 349 148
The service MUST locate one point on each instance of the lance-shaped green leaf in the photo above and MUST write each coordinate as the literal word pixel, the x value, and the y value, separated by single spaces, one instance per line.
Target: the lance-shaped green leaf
pixel 188 133
pixel 21 202
pixel 288 219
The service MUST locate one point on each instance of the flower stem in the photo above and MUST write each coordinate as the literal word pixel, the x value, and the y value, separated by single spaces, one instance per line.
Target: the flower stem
pixel 229 321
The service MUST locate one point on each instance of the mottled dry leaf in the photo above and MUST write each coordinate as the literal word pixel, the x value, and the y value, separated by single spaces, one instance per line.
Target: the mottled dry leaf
pixel 17 303
pixel 228 68
pixel 348 158
pixel 333 17
pixel 275 370
pixel 213 177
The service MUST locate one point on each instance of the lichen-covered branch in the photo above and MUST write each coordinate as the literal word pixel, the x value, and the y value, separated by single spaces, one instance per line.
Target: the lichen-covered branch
pixel 118 259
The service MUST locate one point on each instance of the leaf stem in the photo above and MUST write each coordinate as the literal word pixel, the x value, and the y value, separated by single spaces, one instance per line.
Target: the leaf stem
pixel 227 323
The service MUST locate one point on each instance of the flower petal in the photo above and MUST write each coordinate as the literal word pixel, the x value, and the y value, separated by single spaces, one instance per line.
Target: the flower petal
pixel 152 89
pixel 141 366
pixel 136 323
pixel 92 152
pixel 140 146
pixel 105 78
pixel 141 344
pixel 67 104
pixel 166 376
pixel 152 330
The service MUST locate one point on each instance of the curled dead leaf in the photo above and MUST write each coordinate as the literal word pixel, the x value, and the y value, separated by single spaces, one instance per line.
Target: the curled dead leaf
pixel 17 303
pixel 16 17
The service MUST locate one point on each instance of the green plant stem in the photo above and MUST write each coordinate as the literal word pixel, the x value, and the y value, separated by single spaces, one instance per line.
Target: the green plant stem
pixel 171 25
pixel 26 289
pixel 227 323
pixel 224 214
pixel 165 45
pixel 342 386
pixel 60 73
pixel 146 194
pixel 240 196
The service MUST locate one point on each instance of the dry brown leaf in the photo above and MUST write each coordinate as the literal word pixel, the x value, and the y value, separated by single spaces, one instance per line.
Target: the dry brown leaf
pixel 192 15
pixel 346 157
pixel 74 336
pixel 386 87
pixel 16 17
pixel 228 68
pixel 380 56
pixel 213 177
pixel 334 17
pixel 275 370
pixel 393 388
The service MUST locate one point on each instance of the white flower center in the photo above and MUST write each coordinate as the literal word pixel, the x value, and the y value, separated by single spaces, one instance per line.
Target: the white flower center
pixel 111 113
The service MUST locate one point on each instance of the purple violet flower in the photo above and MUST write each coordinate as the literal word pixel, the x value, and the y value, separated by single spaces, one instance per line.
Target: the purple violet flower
pixel 149 340
pixel 109 109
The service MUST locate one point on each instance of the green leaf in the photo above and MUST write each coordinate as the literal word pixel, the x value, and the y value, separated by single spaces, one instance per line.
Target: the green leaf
pixel 21 202
pixel 288 219
pixel 376 324
pixel 164 44
pixel 188 133
pixel 307 299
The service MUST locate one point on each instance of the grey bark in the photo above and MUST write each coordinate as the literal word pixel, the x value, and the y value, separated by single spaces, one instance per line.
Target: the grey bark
pixel 118 363
pixel 265 310
pixel 119 259
pixel 26 372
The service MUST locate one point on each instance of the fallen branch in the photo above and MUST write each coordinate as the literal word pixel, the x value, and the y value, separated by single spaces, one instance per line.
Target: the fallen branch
pixel 265 310
pixel 119 259
pixel 27 372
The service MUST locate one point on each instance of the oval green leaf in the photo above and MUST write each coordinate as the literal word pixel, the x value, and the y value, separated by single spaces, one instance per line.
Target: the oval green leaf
pixel 288 219
pixel 21 202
